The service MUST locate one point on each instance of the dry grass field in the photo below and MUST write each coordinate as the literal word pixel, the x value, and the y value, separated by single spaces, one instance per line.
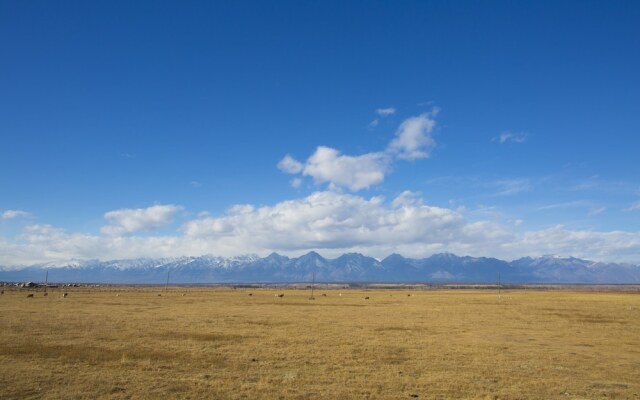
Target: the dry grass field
pixel 225 344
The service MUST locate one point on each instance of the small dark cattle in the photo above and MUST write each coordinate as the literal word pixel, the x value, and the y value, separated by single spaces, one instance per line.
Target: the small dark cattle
pixel 30 295
pixel 366 298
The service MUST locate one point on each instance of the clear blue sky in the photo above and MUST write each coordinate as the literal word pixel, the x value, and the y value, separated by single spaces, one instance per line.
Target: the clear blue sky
pixel 136 128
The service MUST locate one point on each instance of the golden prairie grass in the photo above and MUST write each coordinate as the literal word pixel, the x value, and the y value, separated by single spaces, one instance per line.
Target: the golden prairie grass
pixel 222 343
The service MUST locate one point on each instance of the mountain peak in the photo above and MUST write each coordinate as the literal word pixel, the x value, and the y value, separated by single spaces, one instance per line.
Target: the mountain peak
pixel 393 257
pixel 312 254
pixel 276 256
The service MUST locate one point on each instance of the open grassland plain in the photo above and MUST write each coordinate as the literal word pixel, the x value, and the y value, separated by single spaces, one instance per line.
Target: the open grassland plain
pixel 224 343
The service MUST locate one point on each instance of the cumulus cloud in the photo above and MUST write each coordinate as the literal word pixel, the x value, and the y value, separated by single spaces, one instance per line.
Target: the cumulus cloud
pixel 290 165
pixel 326 221
pixel 11 214
pixel 330 220
pixel 505 137
pixel 353 172
pixel 607 246
pixel 413 138
pixel 127 220
pixel 412 141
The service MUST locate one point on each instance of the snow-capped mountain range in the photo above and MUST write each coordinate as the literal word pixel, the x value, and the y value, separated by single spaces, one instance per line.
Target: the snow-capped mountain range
pixel 351 267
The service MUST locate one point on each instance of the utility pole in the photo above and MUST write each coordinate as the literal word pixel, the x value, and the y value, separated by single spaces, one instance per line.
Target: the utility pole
pixel 167 284
pixel 313 284
pixel 46 281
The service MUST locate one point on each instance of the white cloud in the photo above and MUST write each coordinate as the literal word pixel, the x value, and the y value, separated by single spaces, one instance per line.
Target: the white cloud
pixel 127 220
pixel 385 112
pixel 353 172
pixel 607 246
pixel 327 165
pixel 329 220
pixel 413 138
pixel 510 137
pixel 382 113
pixel 326 221
pixel 195 184
pixel 290 165
pixel 10 214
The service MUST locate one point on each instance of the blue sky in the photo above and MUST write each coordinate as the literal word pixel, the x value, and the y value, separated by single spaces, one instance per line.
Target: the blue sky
pixel 159 128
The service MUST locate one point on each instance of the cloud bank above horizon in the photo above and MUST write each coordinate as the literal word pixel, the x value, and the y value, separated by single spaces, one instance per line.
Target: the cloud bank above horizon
pixel 326 221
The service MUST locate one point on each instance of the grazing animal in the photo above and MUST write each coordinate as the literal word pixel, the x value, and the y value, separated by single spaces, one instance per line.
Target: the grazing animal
pixel 184 294
pixel 281 295
pixel 46 294
pixel 117 294
pixel 324 295
pixel 159 295
pixel 64 295
pixel 30 295
pixel 366 298
pixel 250 294
pixel 409 295
pixel 1 292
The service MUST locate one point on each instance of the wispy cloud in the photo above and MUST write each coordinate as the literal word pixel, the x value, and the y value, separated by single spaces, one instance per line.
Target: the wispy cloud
pixel 382 113
pixel 510 187
pixel 593 211
pixel 633 206
pixel 596 184
pixel 195 184
pixel 565 204
pixel 296 182
pixel 385 112
pixel 11 214
pixel 512 137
